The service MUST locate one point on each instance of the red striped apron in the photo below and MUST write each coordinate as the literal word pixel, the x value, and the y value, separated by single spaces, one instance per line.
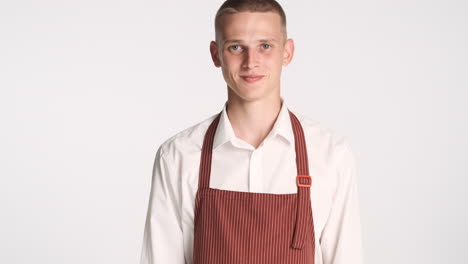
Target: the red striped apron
pixel 233 227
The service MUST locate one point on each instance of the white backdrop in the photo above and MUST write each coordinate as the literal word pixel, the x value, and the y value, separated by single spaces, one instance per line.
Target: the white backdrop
pixel 90 89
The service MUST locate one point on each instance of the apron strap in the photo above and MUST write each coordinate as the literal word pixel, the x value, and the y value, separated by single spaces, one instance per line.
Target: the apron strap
pixel 304 181
pixel 205 161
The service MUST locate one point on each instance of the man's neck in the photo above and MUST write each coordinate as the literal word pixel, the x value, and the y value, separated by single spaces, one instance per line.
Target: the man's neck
pixel 252 121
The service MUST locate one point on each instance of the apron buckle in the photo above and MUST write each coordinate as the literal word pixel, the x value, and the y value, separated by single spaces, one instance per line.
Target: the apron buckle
pixel 308 184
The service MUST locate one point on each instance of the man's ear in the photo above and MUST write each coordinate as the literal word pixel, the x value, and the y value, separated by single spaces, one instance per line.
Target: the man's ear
pixel 214 54
pixel 288 52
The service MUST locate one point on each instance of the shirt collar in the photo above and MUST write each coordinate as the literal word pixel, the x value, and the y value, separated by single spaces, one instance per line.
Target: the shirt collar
pixel 282 127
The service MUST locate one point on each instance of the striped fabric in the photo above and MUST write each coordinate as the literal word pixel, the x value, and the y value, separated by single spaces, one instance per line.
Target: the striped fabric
pixel 253 228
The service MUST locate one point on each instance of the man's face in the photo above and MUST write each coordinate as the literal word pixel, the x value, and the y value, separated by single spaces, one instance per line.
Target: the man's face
pixel 251 51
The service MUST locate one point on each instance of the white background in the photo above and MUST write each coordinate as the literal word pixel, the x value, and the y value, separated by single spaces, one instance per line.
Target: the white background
pixel 90 89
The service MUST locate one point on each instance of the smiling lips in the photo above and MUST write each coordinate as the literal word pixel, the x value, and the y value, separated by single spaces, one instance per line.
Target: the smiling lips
pixel 252 78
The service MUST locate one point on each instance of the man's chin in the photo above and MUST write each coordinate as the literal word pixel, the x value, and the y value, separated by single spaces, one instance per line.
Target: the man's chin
pixel 250 95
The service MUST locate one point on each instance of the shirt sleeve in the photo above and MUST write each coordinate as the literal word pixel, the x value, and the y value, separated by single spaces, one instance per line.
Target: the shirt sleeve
pixel 341 237
pixel 163 239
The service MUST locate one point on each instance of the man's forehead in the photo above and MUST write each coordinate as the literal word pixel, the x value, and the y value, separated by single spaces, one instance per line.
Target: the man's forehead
pixel 245 26
pixel 230 41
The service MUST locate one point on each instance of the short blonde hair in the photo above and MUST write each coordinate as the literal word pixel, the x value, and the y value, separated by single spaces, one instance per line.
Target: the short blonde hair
pixel 235 6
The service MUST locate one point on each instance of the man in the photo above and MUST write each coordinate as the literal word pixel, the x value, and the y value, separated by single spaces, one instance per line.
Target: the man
pixel 258 182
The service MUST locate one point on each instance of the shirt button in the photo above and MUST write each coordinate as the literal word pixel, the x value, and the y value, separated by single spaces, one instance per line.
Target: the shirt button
pixel 256 171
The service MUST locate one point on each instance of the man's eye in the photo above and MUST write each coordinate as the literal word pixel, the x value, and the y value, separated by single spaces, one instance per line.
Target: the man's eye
pixel 232 47
pixel 266 46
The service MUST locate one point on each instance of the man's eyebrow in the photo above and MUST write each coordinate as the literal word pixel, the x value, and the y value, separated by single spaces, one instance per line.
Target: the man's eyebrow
pixel 241 41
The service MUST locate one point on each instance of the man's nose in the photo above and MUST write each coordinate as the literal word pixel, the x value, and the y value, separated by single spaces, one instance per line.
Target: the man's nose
pixel 251 59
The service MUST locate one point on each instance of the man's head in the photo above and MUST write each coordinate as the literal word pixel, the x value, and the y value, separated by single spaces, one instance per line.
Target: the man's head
pixel 251 40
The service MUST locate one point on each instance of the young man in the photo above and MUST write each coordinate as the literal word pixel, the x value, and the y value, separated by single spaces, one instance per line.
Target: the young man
pixel 256 183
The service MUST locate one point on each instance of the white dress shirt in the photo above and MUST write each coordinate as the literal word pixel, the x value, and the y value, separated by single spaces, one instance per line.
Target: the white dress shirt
pixel 270 168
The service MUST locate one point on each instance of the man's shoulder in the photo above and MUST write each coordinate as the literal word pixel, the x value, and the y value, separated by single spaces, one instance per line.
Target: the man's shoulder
pixel 318 134
pixel 322 136
pixel 314 128
pixel 188 140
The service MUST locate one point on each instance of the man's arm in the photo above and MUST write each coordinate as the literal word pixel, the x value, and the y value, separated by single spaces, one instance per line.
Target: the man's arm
pixel 341 237
pixel 163 239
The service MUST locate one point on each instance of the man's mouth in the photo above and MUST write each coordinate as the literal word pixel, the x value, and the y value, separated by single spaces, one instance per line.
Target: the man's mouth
pixel 252 78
